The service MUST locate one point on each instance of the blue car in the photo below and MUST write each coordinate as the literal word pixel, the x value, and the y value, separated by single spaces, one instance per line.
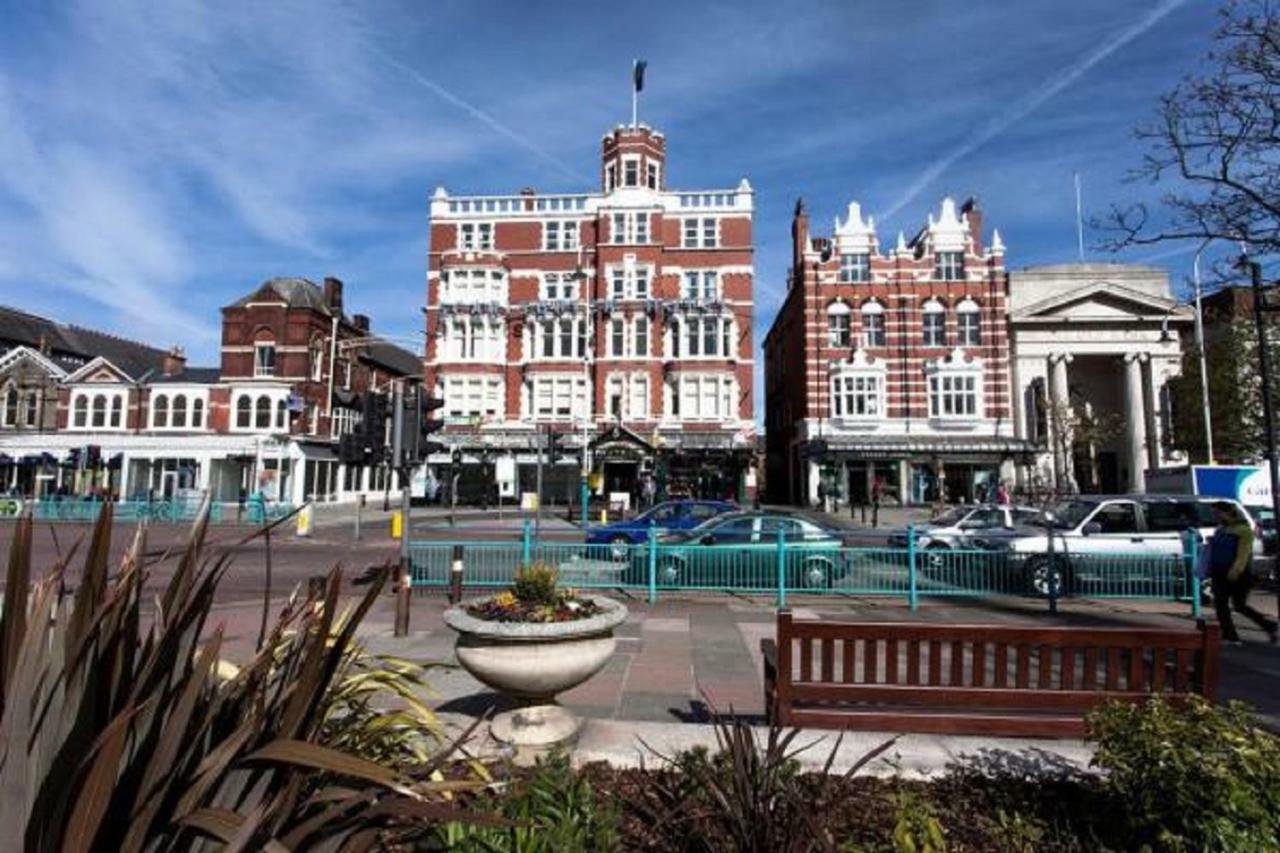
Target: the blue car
pixel 664 518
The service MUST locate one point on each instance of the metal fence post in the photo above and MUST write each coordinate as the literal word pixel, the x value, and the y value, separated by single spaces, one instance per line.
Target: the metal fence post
pixel 526 548
pixel 653 564
pixel 455 575
pixel 782 569
pixel 1189 555
pixel 913 590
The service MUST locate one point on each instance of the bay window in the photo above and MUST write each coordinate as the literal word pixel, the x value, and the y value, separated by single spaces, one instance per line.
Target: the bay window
pixel 953 395
pixel 470 286
pixel 857 395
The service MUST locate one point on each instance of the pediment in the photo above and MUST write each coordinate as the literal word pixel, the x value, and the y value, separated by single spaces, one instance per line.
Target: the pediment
pixel 10 361
pixel 100 371
pixel 1103 301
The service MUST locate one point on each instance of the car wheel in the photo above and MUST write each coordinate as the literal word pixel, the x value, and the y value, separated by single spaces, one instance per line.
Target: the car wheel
pixel 670 571
pixel 619 547
pixel 816 574
pixel 1041 577
pixel 935 557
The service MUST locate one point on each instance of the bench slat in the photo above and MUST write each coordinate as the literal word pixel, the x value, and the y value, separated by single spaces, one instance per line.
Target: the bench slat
pixel 1157 670
pixel 1090 680
pixel 870 661
pixel 828 659
pixel 847 660
pixel 957 664
pixel 935 663
pixel 1182 674
pixel 913 662
pixel 891 661
pixel 806 658
pixel 1023 678
pixel 1067 680
pixel 1044 668
pixel 1002 665
pixel 975 724
pixel 979 664
pixel 1047 635
pixel 1113 669
pixel 943 698
pixel 1137 675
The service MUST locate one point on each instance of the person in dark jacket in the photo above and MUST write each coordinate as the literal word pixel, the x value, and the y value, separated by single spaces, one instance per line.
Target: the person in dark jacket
pixel 1230 558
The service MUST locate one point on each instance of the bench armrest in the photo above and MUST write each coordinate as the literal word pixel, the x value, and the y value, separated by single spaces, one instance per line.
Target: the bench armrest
pixel 769 651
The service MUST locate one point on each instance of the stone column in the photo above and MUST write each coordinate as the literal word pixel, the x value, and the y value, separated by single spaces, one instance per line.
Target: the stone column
pixel 1151 400
pixel 1135 414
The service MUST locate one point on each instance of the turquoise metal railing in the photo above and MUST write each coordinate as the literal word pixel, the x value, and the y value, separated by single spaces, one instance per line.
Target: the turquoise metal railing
pixel 782 568
pixel 163 512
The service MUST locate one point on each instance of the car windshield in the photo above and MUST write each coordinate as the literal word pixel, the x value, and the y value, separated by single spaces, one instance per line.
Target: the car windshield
pixel 661 512
pixel 951 517
pixel 1068 514
pixel 711 523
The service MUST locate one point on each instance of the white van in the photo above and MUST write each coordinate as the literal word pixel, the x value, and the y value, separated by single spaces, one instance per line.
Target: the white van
pixel 1128 526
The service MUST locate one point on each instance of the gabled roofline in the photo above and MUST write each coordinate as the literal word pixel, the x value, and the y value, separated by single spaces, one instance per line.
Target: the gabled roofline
pixel 97 362
pixel 20 352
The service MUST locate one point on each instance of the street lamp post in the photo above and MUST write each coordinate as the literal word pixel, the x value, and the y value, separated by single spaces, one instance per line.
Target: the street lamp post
pixel 1264 367
pixel 1204 368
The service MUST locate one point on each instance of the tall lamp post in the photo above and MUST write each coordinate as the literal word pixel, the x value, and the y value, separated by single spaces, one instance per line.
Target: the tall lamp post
pixel 1264 368
pixel 579 275
pixel 1204 368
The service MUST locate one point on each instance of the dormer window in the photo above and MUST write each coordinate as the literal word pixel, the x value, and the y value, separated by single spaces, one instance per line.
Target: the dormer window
pixel 855 267
pixel 949 266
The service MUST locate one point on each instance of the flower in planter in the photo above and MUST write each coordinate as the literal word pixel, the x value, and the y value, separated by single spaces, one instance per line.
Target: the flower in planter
pixel 535 596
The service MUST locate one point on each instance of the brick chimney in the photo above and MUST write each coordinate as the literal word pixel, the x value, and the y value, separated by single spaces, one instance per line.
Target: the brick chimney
pixel 333 294
pixel 973 214
pixel 361 322
pixel 799 239
pixel 174 362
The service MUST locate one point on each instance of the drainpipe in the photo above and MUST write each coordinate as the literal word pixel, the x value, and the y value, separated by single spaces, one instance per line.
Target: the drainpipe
pixel 333 363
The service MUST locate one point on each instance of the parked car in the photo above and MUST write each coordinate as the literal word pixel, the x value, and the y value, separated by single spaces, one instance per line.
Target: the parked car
pixel 739 549
pixel 1087 530
pixel 663 517
pixel 955 528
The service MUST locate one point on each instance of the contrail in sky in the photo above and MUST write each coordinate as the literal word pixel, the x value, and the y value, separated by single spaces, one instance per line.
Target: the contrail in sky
pixel 1030 102
pixel 484 118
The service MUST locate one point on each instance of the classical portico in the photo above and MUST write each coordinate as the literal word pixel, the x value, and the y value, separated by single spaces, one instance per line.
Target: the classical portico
pixel 1094 346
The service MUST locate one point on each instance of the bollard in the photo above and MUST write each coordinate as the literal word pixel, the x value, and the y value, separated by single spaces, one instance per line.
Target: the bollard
pixel 397 525
pixel 403 591
pixel 526 546
pixel 653 564
pixel 782 569
pixel 455 576
pixel 913 590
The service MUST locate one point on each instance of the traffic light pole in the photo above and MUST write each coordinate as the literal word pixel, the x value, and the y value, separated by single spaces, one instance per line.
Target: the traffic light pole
pixel 399 464
pixel 537 516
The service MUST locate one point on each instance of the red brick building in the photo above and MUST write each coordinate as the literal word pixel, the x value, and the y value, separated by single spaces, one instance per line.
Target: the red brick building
pixel 294 368
pixel 890 366
pixel 619 318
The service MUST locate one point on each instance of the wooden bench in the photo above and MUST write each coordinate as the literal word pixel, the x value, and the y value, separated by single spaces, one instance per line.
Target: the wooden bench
pixel 974 679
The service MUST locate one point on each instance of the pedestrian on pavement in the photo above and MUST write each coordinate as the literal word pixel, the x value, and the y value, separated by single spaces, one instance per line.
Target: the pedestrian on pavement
pixel 1002 494
pixel 1230 575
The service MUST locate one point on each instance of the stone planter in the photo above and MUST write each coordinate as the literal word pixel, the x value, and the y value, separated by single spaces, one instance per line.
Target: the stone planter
pixel 532 662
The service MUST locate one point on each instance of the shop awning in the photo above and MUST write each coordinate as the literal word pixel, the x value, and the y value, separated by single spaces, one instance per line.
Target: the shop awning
pixel 318 452
pixel 894 446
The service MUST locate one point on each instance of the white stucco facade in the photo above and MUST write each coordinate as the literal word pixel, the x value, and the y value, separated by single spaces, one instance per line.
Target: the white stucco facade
pixel 1094 346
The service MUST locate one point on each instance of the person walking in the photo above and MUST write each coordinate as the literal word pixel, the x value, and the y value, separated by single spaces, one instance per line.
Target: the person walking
pixel 1230 577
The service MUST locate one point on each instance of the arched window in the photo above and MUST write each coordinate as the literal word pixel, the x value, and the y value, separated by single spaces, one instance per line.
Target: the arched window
pixel 839 326
pixel 117 410
pixel 873 324
pixel 264 355
pixel 33 409
pixel 244 412
pixel 197 413
pixel 160 411
pixel 282 414
pixel 80 411
pixel 180 411
pixel 262 413
pixel 968 324
pixel 933 324
pixel 10 414
pixel 99 410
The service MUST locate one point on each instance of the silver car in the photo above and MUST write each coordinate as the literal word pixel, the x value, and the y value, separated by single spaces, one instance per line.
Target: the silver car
pixel 955 528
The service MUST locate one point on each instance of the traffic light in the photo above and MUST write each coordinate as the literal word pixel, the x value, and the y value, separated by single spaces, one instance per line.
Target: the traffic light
pixel 427 426
pixel 555 449
pixel 367 443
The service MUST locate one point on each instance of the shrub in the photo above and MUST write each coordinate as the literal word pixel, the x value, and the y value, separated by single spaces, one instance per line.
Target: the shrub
pixel 1196 777
pixel 916 827
pixel 536 584
pixel 125 734
pixel 555 810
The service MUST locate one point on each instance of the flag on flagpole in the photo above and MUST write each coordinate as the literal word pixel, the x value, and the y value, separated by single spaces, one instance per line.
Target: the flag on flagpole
pixel 638 72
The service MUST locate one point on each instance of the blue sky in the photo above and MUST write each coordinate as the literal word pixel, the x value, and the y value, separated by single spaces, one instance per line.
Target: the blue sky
pixel 158 160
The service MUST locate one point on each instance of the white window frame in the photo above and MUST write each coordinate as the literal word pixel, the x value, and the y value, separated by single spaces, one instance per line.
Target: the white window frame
pixel 955 394
pixel 559 287
pixel 550 328
pixel 857 395
pixel 855 267
pixel 933 324
pixel 630 227
pixel 473 286
pixel 968 324
pixel 839 325
pixel 560 235
pixel 475 236
pixel 949 266
pixel 691 344
pixel 625 280
pixel 567 397
pixel 867 311
pixel 261 369
pixel 692 392
pixel 631 169
pixel 700 285
pixel 473 397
